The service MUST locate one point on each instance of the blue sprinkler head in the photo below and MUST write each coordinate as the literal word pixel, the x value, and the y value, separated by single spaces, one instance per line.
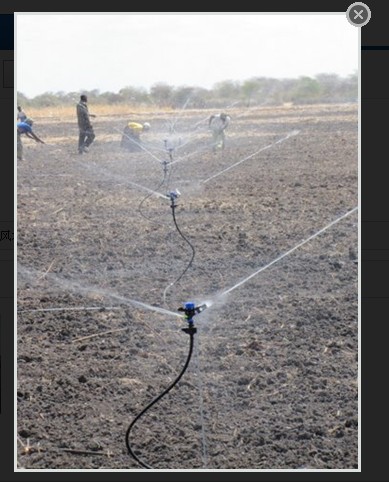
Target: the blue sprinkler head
pixel 174 194
pixel 190 309
pixel 189 306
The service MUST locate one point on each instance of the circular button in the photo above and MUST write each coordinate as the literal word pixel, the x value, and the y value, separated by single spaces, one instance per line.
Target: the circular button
pixel 358 14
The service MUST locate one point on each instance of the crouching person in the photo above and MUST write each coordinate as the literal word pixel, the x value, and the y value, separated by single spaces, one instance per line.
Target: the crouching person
pixel 131 137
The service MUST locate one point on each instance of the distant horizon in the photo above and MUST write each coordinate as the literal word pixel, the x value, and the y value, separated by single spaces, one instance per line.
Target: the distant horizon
pixel 238 82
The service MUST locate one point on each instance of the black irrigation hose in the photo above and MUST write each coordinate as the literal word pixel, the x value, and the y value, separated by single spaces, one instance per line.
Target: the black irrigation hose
pixel 185 239
pixel 144 464
pixel 165 180
pixel 189 330
pixel 147 197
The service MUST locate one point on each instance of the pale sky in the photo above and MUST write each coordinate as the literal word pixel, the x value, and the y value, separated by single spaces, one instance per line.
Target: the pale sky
pixel 73 52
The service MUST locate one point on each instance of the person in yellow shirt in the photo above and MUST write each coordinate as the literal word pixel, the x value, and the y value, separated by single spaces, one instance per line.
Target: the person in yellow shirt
pixel 131 136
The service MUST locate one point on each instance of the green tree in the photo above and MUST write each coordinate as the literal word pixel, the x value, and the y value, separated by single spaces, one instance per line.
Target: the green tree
pixel 161 94
pixel 226 92
pixel 306 90
pixel 249 88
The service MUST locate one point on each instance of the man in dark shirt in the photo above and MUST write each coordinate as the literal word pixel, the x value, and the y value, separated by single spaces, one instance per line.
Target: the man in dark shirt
pixel 86 133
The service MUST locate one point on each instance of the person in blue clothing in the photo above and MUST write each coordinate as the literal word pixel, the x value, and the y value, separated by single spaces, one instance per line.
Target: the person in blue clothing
pixel 26 129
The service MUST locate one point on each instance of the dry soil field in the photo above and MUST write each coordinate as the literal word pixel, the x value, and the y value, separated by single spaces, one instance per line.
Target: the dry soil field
pixel 273 379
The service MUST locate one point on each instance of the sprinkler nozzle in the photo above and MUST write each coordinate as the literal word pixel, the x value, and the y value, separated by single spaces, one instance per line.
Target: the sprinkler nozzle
pixel 173 195
pixel 190 310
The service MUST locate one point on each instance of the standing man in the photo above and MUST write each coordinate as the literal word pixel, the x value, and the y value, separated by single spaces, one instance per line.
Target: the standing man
pixel 25 128
pixel 217 124
pixel 86 133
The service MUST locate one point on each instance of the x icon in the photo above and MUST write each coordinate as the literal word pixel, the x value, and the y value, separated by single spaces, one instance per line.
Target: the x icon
pixel 358 14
